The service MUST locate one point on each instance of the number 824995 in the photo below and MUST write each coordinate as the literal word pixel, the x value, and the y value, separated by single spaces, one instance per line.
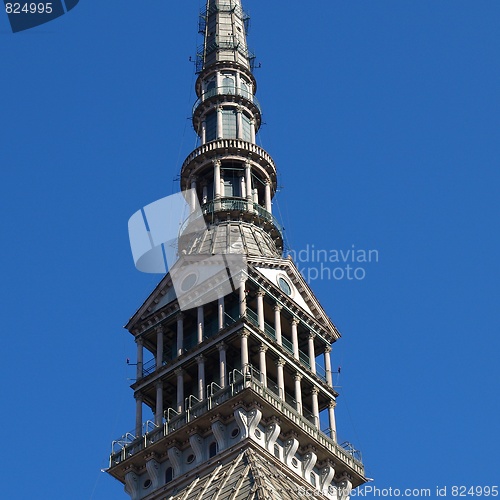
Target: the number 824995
pixel 28 8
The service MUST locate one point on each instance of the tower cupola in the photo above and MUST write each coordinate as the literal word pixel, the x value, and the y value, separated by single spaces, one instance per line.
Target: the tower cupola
pixel 234 178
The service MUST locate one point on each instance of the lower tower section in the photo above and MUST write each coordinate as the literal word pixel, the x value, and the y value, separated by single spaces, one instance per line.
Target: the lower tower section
pixel 241 396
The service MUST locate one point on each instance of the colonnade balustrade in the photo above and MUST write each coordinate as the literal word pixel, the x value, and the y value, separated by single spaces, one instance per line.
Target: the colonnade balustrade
pixel 193 406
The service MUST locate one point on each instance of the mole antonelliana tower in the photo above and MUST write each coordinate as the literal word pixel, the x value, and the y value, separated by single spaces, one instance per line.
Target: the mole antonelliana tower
pixel 238 376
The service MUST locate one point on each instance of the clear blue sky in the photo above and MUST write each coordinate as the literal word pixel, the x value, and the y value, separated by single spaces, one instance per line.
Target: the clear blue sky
pixel 383 118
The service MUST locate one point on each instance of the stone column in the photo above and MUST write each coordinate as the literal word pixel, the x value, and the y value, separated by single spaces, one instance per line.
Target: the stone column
pixel 239 124
pixel 180 334
pixel 312 354
pixel 243 187
pixel 252 130
pixel 200 324
pixel 255 195
pixel 138 415
pixel 315 406
pixel 192 201
pixel 220 134
pixel 238 83
pixel 280 363
pixel 159 347
pixel 220 312
pixel 244 351
pixel 262 365
pixel 203 132
pixel 298 392
pixel 277 323
pixel 222 364
pixel 248 181
pixel 159 403
pixel 268 197
pixel 260 309
pixel 217 165
pixel 295 338
pixel 180 389
pixel 331 417
pixel 243 296
pixel 218 82
pixel 201 377
pixel 328 365
pixel 140 357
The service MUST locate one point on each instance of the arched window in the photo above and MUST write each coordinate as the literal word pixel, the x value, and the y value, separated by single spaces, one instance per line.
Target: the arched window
pixel 228 86
pixel 212 450
pixel 169 474
pixel 245 91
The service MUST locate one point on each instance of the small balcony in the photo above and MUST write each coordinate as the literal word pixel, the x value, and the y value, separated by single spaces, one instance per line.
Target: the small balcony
pixel 253 211
pixel 241 205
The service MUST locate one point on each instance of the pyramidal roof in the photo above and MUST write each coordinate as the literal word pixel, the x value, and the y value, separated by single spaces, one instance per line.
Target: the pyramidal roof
pixel 247 477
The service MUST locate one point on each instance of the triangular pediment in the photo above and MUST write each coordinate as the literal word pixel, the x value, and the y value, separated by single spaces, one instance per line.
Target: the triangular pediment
pixel 285 277
pixel 280 275
pixel 162 295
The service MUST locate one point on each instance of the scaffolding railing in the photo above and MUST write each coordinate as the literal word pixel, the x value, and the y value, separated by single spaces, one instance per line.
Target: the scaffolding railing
pixel 204 51
pixel 148 367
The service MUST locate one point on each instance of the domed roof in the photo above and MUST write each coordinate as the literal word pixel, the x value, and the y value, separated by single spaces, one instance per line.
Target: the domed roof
pixel 233 237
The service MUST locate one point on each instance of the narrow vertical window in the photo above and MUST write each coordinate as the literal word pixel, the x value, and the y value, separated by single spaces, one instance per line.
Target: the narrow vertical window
pixel 169 474
pixel 246 132
pixel 313 479
pixel 228 123
pixel 232 184
pixel 212 451
pixel 210 89
pixel 245 92
pixel 211 126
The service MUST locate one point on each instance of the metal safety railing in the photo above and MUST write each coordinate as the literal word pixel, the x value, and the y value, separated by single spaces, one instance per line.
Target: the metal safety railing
pixel 250 378
pixel 230 205
pixel 148 367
